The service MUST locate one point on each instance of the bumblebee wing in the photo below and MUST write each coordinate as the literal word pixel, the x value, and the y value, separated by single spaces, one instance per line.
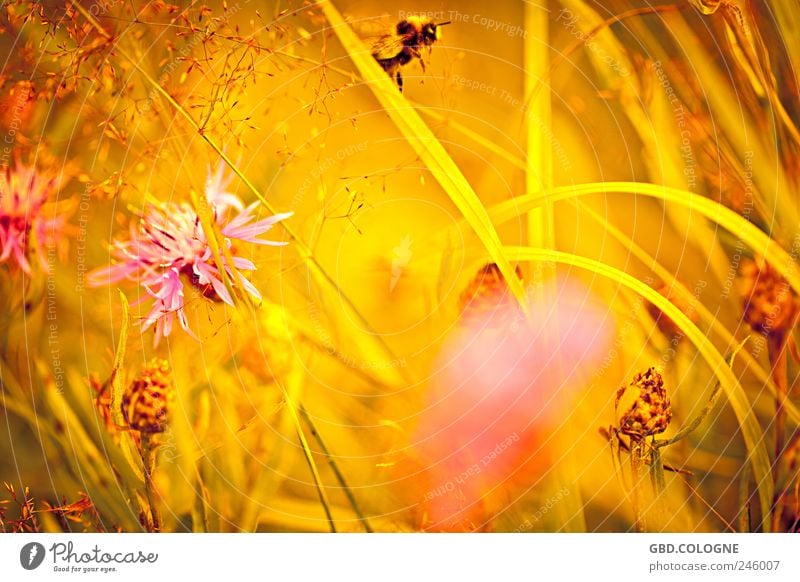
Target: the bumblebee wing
pixel 387 46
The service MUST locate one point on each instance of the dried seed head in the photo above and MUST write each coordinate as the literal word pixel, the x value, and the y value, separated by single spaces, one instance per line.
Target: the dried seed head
pixel 486 292
pixel 770 304
pixel 665 324
pixel 645 409
pixel 146 401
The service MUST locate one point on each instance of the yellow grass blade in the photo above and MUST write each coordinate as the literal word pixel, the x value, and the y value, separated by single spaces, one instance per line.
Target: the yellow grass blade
pixel 206 216
pixel 751 431
pixel 473 135
pixel 425 144
pixel 541 221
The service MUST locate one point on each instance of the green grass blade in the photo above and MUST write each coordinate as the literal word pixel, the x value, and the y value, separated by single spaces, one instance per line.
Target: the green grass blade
pixel 336 471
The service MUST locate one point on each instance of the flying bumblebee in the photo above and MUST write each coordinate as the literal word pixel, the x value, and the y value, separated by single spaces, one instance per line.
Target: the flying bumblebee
pixel 412 34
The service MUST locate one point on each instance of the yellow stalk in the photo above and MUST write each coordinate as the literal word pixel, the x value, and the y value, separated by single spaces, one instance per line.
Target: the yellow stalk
pixel 539 159
pixel 541 220
pixel 119 361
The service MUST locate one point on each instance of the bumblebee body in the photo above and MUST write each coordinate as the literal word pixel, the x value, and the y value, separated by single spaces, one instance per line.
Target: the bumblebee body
pixel 411 35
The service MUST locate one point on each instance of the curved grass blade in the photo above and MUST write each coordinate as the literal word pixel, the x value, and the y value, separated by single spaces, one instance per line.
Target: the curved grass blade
pixel 749 234
pixel 751 431
pixel 705 315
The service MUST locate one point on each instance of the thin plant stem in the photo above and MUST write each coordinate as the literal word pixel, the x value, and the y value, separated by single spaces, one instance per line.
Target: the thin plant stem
pixel 309 456
pixel 744 500
pixel 149 462
pixel 709 506
pixel 335 468
pixel 779 368
pixel 778 359
pixel 637 448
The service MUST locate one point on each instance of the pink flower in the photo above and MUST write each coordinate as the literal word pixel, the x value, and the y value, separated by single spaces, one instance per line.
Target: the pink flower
pixel 23 217
pixel 168 247
pixel 502 385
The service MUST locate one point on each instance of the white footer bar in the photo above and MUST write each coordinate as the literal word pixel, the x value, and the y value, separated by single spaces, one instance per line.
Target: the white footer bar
pixel 401 557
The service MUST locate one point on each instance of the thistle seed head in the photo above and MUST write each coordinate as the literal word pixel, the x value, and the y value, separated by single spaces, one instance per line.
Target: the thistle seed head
pixel 770 304
pixel 146 401
pixel 643 407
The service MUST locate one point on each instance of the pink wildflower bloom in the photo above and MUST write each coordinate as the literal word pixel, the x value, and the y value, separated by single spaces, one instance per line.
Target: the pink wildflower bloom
pixel 168 247
pixel 23 196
